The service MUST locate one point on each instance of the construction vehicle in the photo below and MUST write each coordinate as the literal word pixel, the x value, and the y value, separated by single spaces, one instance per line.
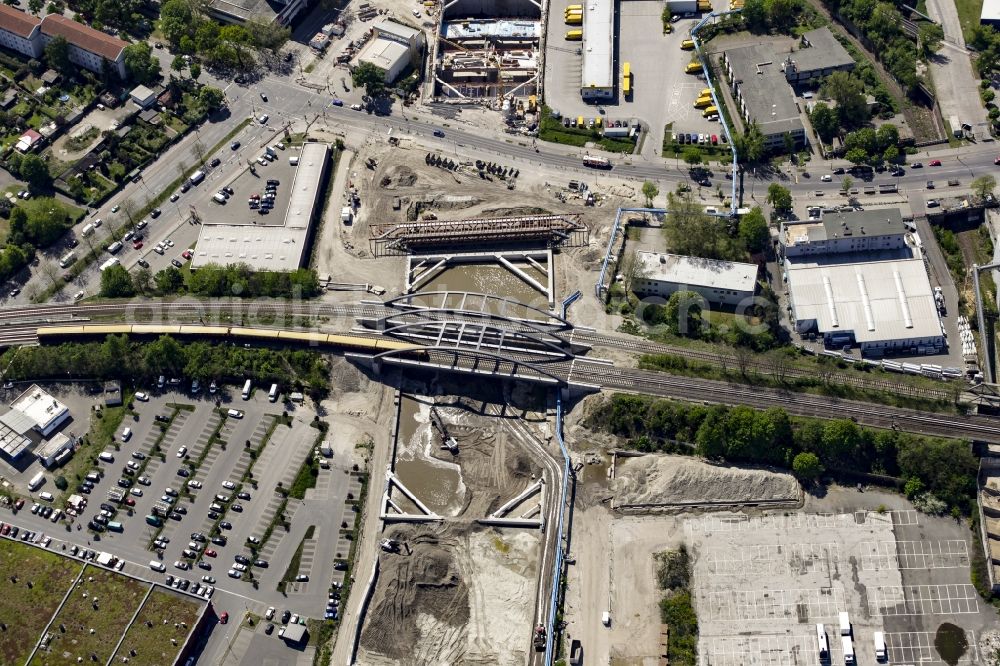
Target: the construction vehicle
pixel 574 19
pixel 687 45
pixel 538 640
pixel 710 111
pixel 707 92
pixel 693 67
pixel 703 102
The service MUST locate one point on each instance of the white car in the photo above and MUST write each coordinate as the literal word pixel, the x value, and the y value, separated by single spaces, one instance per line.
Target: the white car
pixel 183 566
pixel 263 119
pixel 115 208
pixel 239 567
pixel 228 485
pixel 269 615
pixel 356 107
pixel 78 295
pixel 233 573
pixel 141 397
pixel 194 484
pixel 136 492
pixel 181 452
pixel 826 178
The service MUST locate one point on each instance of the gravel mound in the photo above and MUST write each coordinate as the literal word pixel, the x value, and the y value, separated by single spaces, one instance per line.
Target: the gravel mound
pixel 667 479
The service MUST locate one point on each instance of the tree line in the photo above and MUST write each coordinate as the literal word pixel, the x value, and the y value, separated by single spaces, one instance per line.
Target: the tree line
pixel 211 280
pixel 933 470
pixel 141 363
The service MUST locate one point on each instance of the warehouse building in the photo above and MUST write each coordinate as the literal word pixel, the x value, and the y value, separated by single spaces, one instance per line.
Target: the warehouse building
pixel 760 77
pixel 394 48
pixel 598 82
pixel 719 282
pixel 837 233
pixel 884 307
pixel 55 451
pixel 47 413
pixel 282 247
pixel 14 439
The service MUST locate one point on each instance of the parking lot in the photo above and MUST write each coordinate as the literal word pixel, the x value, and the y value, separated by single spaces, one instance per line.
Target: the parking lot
pixel 662 92
pixel 762 581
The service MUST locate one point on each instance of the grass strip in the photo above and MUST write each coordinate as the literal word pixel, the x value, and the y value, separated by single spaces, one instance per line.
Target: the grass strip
pixel 293 564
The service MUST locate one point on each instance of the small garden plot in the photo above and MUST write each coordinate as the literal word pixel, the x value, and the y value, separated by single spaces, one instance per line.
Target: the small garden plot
pixel 165 616
pixel 93 619
pixel 34 582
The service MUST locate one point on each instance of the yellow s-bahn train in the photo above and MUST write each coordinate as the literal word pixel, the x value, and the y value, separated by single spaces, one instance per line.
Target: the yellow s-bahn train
pixel 372 345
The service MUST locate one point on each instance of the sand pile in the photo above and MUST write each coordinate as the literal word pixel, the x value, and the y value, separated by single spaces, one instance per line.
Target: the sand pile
pixel 666 479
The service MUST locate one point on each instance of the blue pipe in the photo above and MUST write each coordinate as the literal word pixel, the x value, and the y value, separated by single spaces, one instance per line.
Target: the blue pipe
pixel 570 300
pixel 560 555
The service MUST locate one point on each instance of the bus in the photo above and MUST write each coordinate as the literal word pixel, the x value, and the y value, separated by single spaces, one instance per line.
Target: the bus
pixel 574 35
pixel 246 390
pixel 627 79
pixel 595 162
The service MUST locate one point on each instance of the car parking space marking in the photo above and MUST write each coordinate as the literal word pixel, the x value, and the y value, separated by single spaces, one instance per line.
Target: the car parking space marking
pixel 772 559
pixel 777 521
pixel 917 647
pixel 947 554
pixel 760 650
pixel 953 599
pixel 908 517
pixel 729 605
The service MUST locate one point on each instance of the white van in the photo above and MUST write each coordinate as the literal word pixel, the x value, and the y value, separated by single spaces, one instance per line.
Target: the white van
pixel 126 434
pixel 246 390
pixel 606 618
pixel 880 652
pixel 823 644
pixel 107 456
pixel 272 395
pixel 87 230
pixel 156 565
pixel 219 199
pixel 293 160
pixel 46 496
pixel 68 259
pixel 36 481
pixel 848 646
pixel 845 624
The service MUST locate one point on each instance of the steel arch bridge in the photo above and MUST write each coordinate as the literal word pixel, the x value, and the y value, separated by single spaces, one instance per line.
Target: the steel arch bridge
pixel 474 336
pixel 489 306
pixel 497 365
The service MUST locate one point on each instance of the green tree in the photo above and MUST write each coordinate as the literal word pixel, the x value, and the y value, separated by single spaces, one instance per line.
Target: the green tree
pixel 689 230
pixel 168 281
pixel 35 6
pixel 887 135
pixel 753 230
pixel 841 440
pixel 140 63
pixel 34 170
pixel 57 56
pixel 650 192
pixel 846 184
pixel 211 98
pixel 929 37
pixel 789 142
pixel 806 466
pixel 178 63
pixel 984 185
pixel 779 196
pixel 371 78
pixel 848 92
pixel 176 20
pixel 61 482
pixel 824 121
pixel 891 154
pixel 755 15
pixel 750 145
pixel 683 313
pixel 856 156
pixel 194 69
pixel 116 282
pixel 142 279
pixel 165 355
pixel 692 156
pixel 781 13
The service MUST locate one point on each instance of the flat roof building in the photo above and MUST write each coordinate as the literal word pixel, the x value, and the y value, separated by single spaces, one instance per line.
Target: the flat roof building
pixel 264 11
pixel 394 47
pixel 883 306
pixel 837 233
pixel 598 79
pixel 14 429
pixel 819 55
pixel 991 13
pixel 721 282
pixel 271 247
pixel 46 412
pixel 56 450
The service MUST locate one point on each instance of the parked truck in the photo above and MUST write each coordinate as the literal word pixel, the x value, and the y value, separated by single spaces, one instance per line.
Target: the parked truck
pixel 197 177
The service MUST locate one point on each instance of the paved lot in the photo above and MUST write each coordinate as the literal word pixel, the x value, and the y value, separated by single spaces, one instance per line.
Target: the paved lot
pixel 237 211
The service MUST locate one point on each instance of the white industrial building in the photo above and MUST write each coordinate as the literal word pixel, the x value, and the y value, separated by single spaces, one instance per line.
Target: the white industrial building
pixel 991 13
pixel 598 81
pixel 838 233
pixel 882 306
pixel 719 282
pixel 55 451
pixel 271 247
pixel 393 49
pixel 42 409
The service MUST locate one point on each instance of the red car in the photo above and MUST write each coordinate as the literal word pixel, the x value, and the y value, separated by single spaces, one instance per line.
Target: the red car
pixel 137 245
pixel 210 553
pixel 935 163
pixel 715 140
pixel 186 254
pixel 996 161
pixel 224 618
pixel 129 501
pixel 19 503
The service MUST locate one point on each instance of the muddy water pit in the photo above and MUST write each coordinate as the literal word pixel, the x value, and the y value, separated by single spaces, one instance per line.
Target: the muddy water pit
pixel 496 280
pixel 436 483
